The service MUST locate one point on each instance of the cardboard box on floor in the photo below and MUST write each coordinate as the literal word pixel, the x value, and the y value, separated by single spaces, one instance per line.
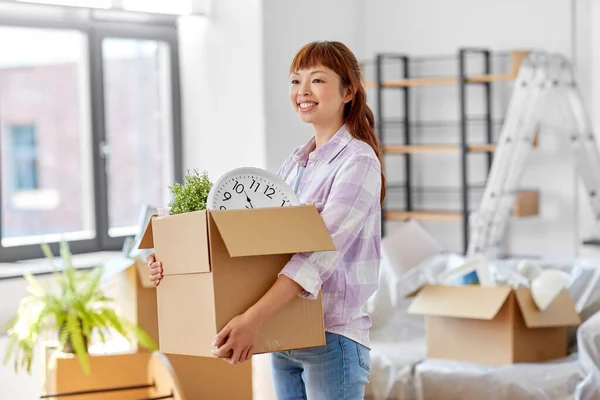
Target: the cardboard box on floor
pixel 493 325
pixel 216 264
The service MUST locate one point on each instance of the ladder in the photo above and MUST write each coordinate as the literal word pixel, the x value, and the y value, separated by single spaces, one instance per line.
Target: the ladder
pixel 543 80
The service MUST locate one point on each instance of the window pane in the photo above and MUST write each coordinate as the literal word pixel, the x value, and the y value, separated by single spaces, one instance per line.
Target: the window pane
pixel 159 6
pixel 44 136
pixel 24 157
pixel 137 96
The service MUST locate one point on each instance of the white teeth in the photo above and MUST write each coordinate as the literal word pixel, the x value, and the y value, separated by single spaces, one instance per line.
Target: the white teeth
pixel 307 105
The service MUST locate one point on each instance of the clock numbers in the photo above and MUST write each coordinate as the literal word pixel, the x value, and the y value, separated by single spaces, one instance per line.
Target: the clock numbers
pixel 254 183
pixel 270 190
pixel 238 187
pixel 282 203
pixel 226 196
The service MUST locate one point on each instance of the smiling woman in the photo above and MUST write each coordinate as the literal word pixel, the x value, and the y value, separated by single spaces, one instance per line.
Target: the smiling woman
pixel 339 170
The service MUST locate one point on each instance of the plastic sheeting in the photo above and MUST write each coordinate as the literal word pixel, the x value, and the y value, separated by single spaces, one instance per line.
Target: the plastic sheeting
pixel 450 380
pixel 588 344
pixel 395 349
pixel 399 370
pixel 397 341
pixel 576 377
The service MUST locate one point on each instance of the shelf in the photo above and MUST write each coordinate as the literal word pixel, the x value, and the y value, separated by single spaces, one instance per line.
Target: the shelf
pixel 400 186
pixel 440 80
pixel 526 205
pixel 435 148
pixel 440 123
pixel 423 215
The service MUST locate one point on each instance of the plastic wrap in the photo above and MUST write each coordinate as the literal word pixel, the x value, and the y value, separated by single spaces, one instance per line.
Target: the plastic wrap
pixel 395 349
pixel 450 380
pixel 397 341
pixel 576 377
pixel 588 343
pixel 400 371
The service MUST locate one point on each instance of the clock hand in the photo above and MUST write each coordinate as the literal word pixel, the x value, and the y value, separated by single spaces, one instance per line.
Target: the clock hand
pixel 248 199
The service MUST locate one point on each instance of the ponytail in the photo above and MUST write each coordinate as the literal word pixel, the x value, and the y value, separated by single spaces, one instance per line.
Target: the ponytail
pixel 360 122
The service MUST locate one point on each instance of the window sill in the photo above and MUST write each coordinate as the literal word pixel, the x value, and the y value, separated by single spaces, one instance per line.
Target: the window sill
pixel 113 261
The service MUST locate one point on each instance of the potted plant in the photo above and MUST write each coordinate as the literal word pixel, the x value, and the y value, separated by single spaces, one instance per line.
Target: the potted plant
pixel 73 306
pixel 191 195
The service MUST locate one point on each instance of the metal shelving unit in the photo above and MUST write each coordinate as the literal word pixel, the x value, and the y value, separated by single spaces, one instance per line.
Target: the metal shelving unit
pixel 463 147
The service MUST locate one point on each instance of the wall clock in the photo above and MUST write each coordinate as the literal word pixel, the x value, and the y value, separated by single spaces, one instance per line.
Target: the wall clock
pixel 249 187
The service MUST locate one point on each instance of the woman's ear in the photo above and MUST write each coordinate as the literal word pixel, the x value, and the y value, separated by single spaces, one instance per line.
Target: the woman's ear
pixel 350 92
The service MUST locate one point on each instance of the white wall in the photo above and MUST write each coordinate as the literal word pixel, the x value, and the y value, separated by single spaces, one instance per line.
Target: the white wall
pixel 433 27
pixel 235 83
pixel 237 112
pixel 587 53
pixel 287 27
pixel 222 87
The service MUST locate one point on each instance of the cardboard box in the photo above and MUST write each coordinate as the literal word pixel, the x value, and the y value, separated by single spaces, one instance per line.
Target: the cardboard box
pixel 216 264
pixel 493 325
pixel 63 374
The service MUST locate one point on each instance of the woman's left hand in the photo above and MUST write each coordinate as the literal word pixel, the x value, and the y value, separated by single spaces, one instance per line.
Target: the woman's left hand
pixel 237 339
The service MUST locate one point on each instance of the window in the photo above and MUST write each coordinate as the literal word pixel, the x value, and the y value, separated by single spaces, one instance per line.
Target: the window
pixel 24 157
pixel 46 84
pixel 138 128
pixel 89 132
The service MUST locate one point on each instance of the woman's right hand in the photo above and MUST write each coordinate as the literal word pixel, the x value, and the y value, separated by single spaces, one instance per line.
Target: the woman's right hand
pixel 155 269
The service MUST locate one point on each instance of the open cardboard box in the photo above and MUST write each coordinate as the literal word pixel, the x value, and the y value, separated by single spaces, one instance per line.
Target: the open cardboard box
pixel 493 325
pixel 216 264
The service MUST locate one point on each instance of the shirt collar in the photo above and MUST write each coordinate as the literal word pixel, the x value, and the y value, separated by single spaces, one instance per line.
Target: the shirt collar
pixel 325 153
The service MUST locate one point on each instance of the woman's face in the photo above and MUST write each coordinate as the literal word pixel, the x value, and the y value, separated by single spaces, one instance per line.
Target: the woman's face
pixel 316 95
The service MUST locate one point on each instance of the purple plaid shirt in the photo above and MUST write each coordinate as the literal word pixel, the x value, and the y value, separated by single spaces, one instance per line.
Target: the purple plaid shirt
pixel 343 179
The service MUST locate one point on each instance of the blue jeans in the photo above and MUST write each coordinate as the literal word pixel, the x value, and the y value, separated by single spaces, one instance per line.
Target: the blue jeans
pixel 337 371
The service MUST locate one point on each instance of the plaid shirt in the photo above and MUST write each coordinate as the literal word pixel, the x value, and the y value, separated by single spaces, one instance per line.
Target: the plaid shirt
pixel 343 179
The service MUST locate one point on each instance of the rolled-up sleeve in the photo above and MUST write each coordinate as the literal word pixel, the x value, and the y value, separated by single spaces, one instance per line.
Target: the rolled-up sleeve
pixel 354 194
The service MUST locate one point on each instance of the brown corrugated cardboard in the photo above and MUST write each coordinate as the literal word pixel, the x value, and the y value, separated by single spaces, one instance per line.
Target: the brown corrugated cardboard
pixel 64 374
pixel 493 325
pixel 191 378
pixel 216 264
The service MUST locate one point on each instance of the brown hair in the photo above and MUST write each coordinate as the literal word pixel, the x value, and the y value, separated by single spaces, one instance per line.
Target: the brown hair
pixel 358 117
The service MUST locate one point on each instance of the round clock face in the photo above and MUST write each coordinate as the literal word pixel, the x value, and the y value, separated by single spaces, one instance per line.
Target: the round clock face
pixel 247 188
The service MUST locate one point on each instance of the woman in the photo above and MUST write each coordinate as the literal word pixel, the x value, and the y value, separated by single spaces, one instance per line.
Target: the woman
pixel 340 170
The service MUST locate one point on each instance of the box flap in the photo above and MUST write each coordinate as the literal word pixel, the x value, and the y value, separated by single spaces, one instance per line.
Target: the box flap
pixel 263 231
pixel 181 243
pixel 475 302
pixel 147 241
pixel 561 311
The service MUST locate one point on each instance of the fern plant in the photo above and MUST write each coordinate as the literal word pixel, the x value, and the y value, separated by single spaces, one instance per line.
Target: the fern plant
pixel 191 195
pixel 73 306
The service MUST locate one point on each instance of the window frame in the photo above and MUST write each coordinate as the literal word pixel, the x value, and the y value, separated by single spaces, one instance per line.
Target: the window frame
pixel 98 26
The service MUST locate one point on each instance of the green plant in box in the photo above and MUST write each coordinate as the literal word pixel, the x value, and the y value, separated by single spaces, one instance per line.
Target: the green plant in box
pixel 73 306
pixel 192 195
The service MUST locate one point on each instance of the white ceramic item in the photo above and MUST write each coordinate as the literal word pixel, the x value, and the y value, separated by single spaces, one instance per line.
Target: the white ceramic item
pixel 249 187
pixel 546 286
pixel 529 270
